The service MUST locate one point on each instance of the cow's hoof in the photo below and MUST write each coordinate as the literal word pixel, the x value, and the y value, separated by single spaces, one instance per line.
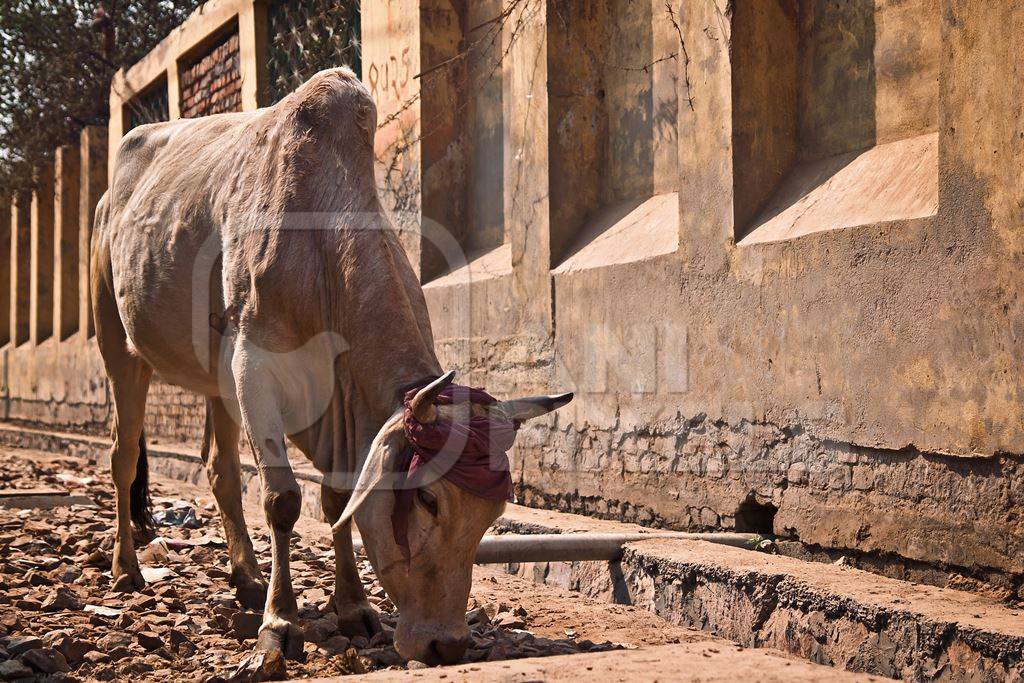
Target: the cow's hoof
pixel 358 620
pixel 250 593
pixel 278 635
pixel 129 581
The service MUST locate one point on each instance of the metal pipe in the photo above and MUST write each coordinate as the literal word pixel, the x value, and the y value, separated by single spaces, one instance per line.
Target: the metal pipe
pixel 581 547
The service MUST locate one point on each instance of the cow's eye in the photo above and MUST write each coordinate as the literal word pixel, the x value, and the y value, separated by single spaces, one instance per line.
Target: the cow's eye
pixel 427 500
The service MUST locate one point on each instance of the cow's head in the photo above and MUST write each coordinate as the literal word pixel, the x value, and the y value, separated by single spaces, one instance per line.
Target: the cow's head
pixel 445 527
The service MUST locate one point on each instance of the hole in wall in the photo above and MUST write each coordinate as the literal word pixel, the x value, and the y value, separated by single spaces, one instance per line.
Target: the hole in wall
pixel 754 517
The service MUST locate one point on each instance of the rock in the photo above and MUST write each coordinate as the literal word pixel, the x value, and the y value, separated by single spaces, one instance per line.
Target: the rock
pixel 416 664
pixel 20 644
pixel 142 603
pixel 13 669
pixel 68 574
pixel 46 660
pixel 73 649
pixel 246 625
pixel 62 600
pixel 319 630
pixel 119 653
pixel 335 645
pixel 96 657
pixel 156 552
pixel 113 640
pixel 509 620
pixel 103 611
pixel 382 656
pixel 477 616
pixel 98 558
pixel 28 605
pixel 149 640
pixel 261 666
pixel 178 639
pixel 382 638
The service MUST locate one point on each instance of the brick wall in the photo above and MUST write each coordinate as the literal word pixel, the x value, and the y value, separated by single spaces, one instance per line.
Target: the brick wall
pixel 212 83
pixel 174 414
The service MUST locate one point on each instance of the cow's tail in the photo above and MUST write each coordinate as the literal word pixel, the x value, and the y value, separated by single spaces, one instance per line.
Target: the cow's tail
pixel 140 502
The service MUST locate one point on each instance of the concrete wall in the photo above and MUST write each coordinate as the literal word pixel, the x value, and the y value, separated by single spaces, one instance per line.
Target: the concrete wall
pixel 852 381
pixel 776 252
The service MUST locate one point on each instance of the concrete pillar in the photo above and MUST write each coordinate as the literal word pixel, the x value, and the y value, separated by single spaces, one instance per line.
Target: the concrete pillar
pixel 527 187
pixel 21 260
pixel 391 31
pixel 66 192
pixel 252 53
pixel 41 277
pixel 116 123
pixel 173 93
pixel 5 271
pixel 93 156
pixel 705 134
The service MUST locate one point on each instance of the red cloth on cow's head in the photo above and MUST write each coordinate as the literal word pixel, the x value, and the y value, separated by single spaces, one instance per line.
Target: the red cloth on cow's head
pixel 471 454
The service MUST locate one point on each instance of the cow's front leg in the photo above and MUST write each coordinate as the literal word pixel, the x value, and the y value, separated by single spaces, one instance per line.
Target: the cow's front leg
pixel 355 615
pixel 220 453
pixel 282 500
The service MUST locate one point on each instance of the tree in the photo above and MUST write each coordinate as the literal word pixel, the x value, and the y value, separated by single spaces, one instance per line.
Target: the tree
pixel 57 58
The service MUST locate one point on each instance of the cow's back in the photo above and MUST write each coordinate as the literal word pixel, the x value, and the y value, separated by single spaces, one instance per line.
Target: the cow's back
pixel 164 239
pixel 274 214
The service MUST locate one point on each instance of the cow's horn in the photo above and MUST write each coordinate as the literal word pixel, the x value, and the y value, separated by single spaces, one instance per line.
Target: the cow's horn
pixel 422 405
pixel 521 409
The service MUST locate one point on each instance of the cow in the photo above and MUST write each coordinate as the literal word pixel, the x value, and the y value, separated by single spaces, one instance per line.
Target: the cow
pixel 247 257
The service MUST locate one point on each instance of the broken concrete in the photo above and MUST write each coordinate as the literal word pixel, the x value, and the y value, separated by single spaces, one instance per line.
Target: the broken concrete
pixel 828 613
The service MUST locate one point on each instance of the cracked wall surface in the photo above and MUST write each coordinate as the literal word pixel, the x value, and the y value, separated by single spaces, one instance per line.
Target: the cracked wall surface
pixel 856 388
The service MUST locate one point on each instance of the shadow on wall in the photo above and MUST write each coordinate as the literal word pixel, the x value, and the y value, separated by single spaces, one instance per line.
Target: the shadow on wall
pixel 804 89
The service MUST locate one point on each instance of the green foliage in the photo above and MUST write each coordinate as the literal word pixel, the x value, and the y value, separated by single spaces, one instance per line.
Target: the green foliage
pixel 56 68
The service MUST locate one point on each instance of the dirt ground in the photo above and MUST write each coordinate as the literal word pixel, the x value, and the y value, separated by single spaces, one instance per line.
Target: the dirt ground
pixel 59 620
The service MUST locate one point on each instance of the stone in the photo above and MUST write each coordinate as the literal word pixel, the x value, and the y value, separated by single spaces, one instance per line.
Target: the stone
pixel 73 649
pixel 148 640
pixel 261 666
pixel 13 669
pixel 319 630
pixel 509 620
pixel 46 660
pixel 20 644
pixel 382 657
pixel 477 616
pixel 63 599
pixel 335 645
pixel 246 625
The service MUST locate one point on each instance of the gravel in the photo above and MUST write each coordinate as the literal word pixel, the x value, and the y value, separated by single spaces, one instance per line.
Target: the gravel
pixel 60 621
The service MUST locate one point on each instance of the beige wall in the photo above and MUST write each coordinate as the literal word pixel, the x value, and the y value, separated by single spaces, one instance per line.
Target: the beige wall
pixel 776 253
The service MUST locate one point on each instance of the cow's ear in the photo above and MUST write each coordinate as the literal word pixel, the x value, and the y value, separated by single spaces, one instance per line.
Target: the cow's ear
pixel 379 466
pixel 521 409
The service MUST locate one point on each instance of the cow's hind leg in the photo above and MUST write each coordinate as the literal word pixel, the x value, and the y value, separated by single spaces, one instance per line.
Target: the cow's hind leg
pixel 220 453
pixel 258 392
pixel 355 615
pixel 129 379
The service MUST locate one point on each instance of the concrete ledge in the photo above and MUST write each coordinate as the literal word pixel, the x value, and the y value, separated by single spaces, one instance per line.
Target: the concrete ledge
pixel 830 614
pixel 175 461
